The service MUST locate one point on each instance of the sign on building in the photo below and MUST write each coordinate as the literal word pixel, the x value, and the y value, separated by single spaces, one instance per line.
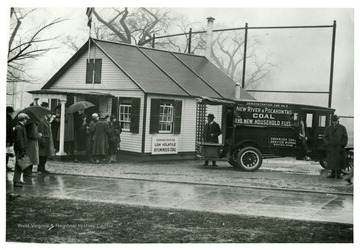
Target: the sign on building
pixel 164 144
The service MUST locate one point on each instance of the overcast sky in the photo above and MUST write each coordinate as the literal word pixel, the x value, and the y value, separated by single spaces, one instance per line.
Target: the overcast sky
pixel 302 57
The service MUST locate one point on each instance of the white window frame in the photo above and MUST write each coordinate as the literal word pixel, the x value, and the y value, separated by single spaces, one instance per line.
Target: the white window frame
pixel 166 118
pixel 125 116
pixel 322 121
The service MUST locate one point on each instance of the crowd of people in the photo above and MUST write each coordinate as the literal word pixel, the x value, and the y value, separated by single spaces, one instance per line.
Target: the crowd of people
pixel 97 140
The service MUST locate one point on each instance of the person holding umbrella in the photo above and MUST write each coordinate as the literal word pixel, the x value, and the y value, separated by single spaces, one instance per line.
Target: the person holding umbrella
pixel 20 145
pixel 77 112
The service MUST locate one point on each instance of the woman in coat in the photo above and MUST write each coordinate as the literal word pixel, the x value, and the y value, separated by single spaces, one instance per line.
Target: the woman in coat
pixel 32 146
pixel 335 139
pixel 101 132
pixel 115 131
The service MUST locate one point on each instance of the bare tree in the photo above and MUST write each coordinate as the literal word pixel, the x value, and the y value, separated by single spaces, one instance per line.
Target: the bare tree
pixel 227 52
pixel 132 26
pixel 26 45
pixel 228 55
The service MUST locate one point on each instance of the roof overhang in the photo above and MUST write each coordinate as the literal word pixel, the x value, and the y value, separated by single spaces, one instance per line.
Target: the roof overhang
pixel 62 94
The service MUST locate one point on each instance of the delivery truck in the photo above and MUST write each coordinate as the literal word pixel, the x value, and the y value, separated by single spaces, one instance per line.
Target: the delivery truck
pixel 256 130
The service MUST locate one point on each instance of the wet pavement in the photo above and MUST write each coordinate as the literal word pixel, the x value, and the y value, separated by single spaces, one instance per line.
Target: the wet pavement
pixel 312 206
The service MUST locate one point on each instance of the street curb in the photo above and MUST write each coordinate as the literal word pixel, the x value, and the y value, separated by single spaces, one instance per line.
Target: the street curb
pixel 213 184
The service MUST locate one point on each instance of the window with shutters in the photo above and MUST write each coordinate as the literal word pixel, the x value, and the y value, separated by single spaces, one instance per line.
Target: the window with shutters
pixel 166 118
pixel 129 114
pixel 93 71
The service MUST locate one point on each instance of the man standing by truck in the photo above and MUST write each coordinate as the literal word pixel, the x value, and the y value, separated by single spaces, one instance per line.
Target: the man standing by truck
pixel 211 133
pixel 335 139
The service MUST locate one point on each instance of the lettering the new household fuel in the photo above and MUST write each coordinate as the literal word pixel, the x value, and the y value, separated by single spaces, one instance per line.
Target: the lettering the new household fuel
pixel 264 114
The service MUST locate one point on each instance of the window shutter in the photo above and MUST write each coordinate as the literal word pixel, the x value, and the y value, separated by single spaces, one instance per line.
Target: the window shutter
pixel 89 71
pixel 98 67
pixel 178 111
pixel 154 116
pixel 135 115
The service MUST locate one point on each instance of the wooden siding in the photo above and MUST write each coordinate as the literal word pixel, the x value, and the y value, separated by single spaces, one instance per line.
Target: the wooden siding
pixel 130 141
pixel 186 139
pixel 112 77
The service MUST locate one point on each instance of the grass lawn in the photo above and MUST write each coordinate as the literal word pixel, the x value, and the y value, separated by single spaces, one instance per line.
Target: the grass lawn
pixel 45 220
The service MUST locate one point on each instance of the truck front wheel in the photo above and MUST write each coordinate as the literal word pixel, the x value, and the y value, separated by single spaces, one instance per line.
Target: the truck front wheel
pixel 249 159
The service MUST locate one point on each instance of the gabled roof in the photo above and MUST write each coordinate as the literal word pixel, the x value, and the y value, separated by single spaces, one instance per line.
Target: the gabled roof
pixel 162 72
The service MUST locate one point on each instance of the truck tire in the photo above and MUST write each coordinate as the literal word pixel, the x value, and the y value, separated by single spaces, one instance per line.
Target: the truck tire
pixel 249 159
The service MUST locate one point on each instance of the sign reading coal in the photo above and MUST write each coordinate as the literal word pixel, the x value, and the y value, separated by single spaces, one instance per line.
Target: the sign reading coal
pixel 263 114
pixel 164 145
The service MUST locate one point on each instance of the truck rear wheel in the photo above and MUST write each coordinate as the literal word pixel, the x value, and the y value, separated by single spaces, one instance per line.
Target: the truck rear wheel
pixel 249 159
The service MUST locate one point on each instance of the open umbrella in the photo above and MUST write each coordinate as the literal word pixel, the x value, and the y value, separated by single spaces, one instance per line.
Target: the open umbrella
pixel 34 112
pixel 79 106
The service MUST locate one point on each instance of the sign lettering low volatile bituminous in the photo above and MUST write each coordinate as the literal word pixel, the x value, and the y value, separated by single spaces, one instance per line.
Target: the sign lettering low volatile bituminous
pixel 164 145
pixel 263 114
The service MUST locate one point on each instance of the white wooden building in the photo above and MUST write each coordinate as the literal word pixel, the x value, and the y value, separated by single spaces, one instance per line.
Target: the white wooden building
pixel 152 92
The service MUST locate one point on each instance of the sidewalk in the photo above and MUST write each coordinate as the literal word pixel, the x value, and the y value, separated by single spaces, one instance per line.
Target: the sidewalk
pixel 274 173
pixel 200 197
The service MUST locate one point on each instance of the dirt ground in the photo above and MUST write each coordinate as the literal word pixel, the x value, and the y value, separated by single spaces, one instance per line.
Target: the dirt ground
pixel 46 220
pixel 282 173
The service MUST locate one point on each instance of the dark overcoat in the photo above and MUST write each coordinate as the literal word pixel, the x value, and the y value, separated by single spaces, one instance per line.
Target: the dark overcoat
pixel 46 146
pixel 209 129
pixel 114 138
pixel 335 139
pixel 101 138
pixel 9 130
pixel 32 143
pixel 20 140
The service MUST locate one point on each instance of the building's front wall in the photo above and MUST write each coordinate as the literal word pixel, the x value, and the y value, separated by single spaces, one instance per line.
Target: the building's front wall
pixel 114 82
pixel 186 139
pixel 118 84
pixel 132 141
pixel 112 78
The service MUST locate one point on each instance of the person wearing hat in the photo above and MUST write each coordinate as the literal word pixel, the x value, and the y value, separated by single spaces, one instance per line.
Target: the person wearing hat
pixel 20 146
pixel 114 137
pixel 101 132
pixel 335 140
pixel 211 133
pixel 44 105
pixel 9 134
pixel 90 141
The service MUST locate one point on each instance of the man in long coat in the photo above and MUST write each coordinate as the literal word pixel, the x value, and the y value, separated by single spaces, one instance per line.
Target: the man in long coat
pixel 211 133
pixel 20 146
pixel 101 139
pixel 32 150
pixel 46 145
pixel 335 139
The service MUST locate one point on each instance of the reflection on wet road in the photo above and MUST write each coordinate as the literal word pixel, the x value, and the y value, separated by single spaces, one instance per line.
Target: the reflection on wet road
pixel 219 199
